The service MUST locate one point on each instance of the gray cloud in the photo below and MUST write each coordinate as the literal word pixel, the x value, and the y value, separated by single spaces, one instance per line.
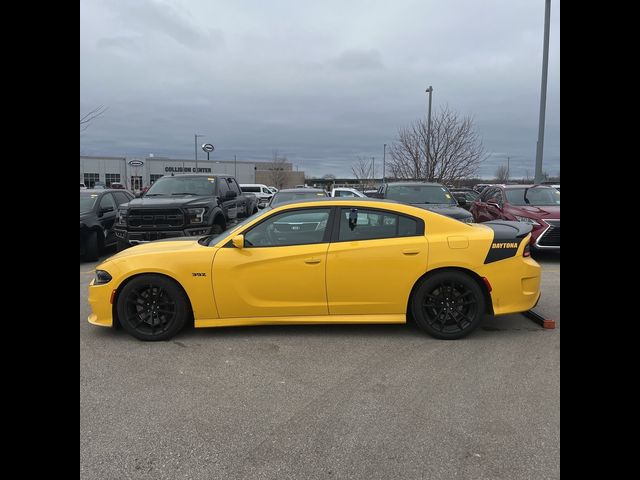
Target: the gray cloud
pixel 323 83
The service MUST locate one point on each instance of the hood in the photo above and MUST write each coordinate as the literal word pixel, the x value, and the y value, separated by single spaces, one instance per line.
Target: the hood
pixel 452 211
pixel 551 211
pixel 168 201
pixel 160 246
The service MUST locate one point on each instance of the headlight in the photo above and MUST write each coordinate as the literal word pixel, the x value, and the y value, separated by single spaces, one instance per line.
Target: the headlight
pixel 466 219
pixel 196 215
pixel 122 217
pixel 526 220
pixel 102 277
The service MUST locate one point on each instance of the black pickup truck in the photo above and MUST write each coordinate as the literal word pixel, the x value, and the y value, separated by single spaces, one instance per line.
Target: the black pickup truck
pixel 183 206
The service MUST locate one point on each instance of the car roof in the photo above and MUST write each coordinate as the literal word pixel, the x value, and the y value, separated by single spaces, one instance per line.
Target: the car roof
pixel 102 190
pixel 435 184
pixel 512 186
pixel 300 190
pixel 340 201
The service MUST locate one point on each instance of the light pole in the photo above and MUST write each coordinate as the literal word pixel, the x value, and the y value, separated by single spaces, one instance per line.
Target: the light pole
pixel 195 144
pixel 429 91
pixel 508 158
pixel 384 157
pixel 235 167
pixel 373 172
pixel 543 92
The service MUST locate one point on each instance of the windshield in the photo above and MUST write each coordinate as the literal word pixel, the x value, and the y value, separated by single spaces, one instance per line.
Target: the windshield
pixel 210 240
pixel 182 186
pixel 87 202
pixel 420 194
pixel 282 197
pixel 535 196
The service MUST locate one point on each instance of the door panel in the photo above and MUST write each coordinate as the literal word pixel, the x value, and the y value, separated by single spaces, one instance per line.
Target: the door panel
pixel 374 276
pixel 271 281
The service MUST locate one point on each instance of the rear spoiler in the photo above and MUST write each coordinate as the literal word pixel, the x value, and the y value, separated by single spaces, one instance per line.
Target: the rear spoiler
pixel 508 228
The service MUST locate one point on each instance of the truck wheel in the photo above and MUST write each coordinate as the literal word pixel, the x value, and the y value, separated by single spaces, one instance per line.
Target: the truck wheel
pixel 91 246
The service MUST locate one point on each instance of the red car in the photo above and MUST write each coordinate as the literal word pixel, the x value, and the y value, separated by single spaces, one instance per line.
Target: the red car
pixel 538 205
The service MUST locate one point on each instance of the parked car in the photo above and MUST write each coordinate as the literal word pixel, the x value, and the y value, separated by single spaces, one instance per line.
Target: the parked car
pixel 99 186
pixel 430 196
pixel 537 205
pixel 273 189
pixel 261 191
pixel 183 206
pixel 481 186
pixel 83 186
pixel 97 218
pixel 296 264
pixel 346 192
pixel 291 194
pixel 464 196
pixel 117 186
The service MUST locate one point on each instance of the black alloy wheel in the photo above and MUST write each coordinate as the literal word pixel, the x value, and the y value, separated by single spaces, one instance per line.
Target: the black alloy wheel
pixel 448 305
pixel 152 308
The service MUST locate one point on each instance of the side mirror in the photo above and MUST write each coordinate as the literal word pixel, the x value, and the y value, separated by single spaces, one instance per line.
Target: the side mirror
pixel 262 205
pixel 462 202
pixel 230 195
pixel 105 210
pixel 238 241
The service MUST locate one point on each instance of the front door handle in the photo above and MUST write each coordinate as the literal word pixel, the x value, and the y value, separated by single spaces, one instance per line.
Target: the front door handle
pixel 312 260
pixel 410 252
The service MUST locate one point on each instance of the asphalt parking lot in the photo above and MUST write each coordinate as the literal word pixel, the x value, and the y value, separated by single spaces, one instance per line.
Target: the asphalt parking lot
pixel 310 402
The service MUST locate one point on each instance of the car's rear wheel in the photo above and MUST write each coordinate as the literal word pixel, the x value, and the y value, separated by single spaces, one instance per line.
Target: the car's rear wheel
pixel 152 308
pixel 92 248
pixel 448 305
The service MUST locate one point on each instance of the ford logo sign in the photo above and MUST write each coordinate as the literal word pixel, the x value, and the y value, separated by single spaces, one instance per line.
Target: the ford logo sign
pixel 136 163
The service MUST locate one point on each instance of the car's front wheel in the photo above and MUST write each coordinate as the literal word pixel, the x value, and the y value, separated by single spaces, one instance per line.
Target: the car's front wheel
pixel 448 305
pixel 92 247
pixel 152 307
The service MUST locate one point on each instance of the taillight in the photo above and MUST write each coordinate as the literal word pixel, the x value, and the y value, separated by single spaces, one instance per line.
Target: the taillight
pixel 527 251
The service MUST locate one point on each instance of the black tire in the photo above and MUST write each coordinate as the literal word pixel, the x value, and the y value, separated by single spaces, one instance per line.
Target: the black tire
pixel 216 229
pixel 255 210
pixel 91 246
pixel 448 305
pixel 152 308
pixel 121 245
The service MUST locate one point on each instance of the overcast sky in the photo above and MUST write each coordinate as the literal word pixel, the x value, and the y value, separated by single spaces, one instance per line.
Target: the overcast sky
pixel 322 82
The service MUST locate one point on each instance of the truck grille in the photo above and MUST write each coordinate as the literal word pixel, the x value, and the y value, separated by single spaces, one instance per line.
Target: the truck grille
pixel 551 238
pixel 156 218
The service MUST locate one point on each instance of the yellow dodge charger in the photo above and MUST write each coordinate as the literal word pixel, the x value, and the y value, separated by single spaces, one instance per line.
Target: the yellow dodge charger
pixel 322 261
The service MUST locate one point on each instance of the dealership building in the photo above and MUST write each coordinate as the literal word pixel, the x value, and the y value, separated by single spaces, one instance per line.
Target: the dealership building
pixel 135 173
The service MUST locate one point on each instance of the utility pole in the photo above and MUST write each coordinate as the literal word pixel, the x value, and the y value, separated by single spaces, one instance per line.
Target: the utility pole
pixel 508 158
pixel 430 92
pixel 543 92
pixel 384 157
pixel 195 145
pixel 235 167
pixel 373 171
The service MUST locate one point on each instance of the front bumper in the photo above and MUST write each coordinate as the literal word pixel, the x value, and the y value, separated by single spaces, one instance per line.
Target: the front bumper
pixel 547 237
pixel 134 238
pixel 100 302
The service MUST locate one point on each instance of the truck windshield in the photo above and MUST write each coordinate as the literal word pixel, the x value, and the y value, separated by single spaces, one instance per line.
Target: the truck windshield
pixel 416 194
pixel 182 186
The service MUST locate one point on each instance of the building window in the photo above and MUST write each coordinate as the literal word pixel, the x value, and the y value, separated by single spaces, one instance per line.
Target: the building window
pixel 112 177
pixel 90 179
pixel 153 177
pixel 136 183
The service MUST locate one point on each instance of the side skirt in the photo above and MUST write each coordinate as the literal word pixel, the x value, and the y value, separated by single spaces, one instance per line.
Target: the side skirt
pixel 301 320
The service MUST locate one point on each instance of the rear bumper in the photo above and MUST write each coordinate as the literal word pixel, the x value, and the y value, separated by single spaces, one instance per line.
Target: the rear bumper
pixel 515 284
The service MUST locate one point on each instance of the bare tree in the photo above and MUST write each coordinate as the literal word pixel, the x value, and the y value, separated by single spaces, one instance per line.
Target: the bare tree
pixel 455 149
pixel 502 174
pixel 278 170
pixel 361 169
pixel 87 118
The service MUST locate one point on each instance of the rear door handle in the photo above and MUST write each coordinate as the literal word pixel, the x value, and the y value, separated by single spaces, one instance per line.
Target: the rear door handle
pixel 410 252
pixel 312 260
